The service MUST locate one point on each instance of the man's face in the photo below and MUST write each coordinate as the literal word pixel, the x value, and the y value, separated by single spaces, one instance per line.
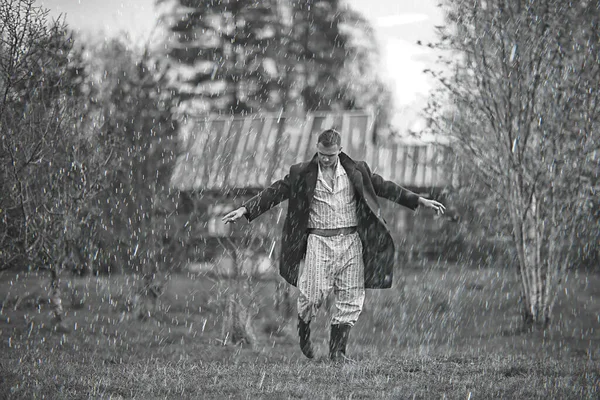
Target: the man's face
pixel 328 155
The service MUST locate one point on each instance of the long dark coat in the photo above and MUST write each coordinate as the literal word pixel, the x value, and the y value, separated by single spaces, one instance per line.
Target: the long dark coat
pixel 298 188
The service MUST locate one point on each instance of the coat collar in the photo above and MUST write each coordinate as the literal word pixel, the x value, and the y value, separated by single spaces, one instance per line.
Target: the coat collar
pixel 348 163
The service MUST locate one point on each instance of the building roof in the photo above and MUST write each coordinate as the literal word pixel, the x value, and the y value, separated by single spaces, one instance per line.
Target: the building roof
pixel 240 153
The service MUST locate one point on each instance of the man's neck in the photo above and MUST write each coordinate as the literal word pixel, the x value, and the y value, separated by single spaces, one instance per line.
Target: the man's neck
pixel 330 168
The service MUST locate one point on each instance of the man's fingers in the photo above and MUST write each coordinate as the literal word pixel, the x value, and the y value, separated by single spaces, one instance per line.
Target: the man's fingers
pixel 229 218
pixel 437 206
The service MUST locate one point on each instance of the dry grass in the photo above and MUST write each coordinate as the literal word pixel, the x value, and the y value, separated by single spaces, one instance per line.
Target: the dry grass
pixel 441 332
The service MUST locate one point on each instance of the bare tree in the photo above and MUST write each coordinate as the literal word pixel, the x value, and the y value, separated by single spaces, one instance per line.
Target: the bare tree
pixel 46 159
pixel 524 116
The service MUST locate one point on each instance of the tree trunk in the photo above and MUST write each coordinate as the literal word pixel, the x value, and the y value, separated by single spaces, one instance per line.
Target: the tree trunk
pixel 284 303
pixel 56 300
pixel 237 327
pixel 237 323
pixel 540 264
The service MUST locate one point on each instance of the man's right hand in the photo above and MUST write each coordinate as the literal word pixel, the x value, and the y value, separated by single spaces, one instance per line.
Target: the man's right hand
pixel 235 215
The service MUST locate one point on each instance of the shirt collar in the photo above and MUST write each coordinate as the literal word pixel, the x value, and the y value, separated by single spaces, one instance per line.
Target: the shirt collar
pixel 339 169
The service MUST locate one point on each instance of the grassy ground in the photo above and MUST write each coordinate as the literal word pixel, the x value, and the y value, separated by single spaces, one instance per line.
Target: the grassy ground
pixel 441 332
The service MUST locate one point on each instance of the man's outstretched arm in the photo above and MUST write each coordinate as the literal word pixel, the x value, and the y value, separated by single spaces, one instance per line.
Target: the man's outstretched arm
pixel 262 202
pixel 396 193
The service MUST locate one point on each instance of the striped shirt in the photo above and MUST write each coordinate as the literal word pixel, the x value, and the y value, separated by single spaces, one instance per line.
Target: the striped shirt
pixel 335 207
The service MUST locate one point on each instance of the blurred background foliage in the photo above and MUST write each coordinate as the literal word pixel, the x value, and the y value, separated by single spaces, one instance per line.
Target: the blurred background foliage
pixel 89 128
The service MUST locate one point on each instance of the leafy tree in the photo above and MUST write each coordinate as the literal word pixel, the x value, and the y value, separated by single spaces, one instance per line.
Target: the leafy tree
pixel 226 50
pixel 243 56
pixel 335 59
pixel 85 152
pixel 135 126
pixel 318 46
pixel 524 119
pixel 362 86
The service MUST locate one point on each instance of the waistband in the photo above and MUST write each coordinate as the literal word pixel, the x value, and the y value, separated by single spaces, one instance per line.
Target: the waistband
pixel 332 232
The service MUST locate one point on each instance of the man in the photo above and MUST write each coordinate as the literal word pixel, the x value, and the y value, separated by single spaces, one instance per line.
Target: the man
pixel 334 224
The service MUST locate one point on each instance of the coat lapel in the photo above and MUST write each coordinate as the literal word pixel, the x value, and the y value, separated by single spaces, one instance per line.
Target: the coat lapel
pixel 311 177
pixel 357 179
pixel 353 174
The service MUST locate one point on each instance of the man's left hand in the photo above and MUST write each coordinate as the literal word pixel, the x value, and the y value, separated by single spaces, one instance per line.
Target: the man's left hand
pixel 437 206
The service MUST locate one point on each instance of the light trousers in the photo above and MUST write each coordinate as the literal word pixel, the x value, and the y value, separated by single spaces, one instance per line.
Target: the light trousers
pixel 332 264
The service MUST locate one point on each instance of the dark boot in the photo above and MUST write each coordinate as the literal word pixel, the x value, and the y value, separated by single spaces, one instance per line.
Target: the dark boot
pixel 337 342
pixel 305 343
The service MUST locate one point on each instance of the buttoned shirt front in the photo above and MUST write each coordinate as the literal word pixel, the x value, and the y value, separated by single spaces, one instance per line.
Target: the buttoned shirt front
pixel 333 207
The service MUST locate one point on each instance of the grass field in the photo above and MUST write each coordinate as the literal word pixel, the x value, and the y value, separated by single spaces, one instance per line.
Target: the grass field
pixel 441 332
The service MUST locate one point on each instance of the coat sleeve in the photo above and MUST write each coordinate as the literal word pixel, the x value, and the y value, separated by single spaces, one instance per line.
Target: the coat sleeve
pixel 392 191
pixel 268 198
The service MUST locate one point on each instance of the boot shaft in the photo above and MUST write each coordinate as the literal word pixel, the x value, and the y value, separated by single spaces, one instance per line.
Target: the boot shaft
pixel 338 341
pixel 304 335
pixel 303 329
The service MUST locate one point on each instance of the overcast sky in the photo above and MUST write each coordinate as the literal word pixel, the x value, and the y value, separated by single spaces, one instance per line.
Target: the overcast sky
pixel 398 23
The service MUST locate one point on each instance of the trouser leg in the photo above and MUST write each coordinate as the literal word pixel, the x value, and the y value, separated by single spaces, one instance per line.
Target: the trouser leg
pixel 314 285
pixel 349 296
pixel 349 285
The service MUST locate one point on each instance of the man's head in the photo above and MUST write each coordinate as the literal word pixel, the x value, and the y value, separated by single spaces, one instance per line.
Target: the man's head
pixel 329 147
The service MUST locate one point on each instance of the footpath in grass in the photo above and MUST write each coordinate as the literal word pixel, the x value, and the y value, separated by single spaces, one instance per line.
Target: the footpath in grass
pixel 440 332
